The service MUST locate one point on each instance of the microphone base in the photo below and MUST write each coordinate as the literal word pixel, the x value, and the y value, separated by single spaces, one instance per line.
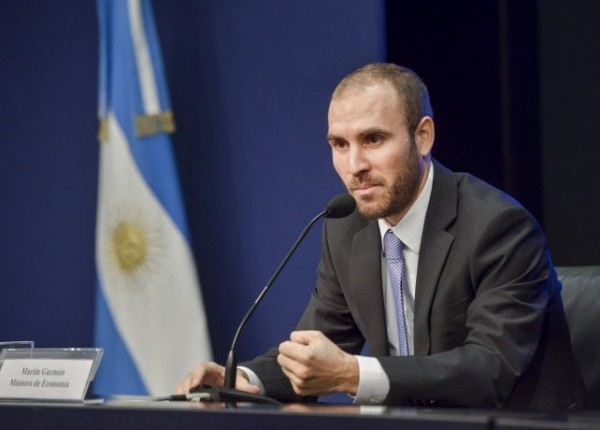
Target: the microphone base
pixel 216 394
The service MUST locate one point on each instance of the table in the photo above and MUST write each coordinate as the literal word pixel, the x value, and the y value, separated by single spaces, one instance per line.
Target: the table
pixel 143 413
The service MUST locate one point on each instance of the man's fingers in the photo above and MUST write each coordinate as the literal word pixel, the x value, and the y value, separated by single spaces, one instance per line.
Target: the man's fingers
pixel 190 381
pixel 293 350
pixel 285 361
pixel 208 373
pixel 186 384
pixel 242 383
pixel 315 365
pixel 304 337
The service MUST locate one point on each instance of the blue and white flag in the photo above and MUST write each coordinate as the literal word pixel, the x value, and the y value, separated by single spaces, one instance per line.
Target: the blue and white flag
pixel 149 312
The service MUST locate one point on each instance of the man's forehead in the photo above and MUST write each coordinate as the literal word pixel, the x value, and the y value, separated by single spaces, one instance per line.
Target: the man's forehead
pixel 359 86
pixel 357 101
pixel 374 92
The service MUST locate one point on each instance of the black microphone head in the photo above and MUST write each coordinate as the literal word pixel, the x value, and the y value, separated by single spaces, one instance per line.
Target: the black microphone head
pixel 340 206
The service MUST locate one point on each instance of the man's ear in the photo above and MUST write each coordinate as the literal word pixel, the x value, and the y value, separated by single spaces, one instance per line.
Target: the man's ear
pixel 424 136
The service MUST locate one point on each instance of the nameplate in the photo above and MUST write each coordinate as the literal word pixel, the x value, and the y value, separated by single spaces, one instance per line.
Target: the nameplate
pixel 47 374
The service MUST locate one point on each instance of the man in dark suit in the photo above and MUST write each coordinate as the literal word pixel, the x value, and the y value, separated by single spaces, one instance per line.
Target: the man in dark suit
pixel 472 316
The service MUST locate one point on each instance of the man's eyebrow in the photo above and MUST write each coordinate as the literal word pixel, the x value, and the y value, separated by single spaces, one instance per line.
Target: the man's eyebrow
pixel 364 133
pixel 374 130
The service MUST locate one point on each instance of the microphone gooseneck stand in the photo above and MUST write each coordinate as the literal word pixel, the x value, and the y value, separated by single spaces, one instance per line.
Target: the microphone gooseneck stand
pixel 339 206
pixel 231 363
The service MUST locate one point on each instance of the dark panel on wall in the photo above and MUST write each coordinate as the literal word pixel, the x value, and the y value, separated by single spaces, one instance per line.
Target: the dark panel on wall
pixel 519 77
pixel 457 57
pixel 479 62
pixel 515 90
pixel 570 86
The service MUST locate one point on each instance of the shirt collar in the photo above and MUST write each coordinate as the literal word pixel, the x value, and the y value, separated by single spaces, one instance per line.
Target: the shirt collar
pixel 410 228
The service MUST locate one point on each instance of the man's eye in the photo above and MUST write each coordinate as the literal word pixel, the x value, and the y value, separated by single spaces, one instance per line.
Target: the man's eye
pixel 340 144
pixel 374 138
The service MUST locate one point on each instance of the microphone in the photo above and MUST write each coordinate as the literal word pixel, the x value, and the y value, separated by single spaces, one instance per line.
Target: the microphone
pixel 339 206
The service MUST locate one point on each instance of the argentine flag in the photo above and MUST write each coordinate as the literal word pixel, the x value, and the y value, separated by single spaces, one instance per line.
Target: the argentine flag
pixel 149 311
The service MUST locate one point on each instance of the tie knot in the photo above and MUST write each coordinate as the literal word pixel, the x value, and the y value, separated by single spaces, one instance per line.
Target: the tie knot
pixel 392 246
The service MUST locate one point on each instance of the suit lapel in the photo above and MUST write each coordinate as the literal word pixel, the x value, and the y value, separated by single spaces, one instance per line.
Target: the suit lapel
pixel 367 288
pixel 435 246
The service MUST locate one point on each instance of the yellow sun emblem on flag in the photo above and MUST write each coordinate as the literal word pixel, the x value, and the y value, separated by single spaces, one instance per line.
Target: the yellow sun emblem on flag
pixel 134 245
pixel 129 246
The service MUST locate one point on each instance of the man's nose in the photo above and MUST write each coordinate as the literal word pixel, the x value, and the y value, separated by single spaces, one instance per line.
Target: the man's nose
pixel 357 162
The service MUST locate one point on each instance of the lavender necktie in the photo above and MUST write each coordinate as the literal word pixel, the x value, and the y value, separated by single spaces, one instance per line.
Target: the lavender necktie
pixel 394 258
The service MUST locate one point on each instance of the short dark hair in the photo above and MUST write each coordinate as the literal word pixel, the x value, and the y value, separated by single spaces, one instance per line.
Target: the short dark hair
pixel 411 90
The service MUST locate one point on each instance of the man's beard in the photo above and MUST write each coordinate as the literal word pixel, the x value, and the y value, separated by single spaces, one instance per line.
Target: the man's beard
pixel 399 196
